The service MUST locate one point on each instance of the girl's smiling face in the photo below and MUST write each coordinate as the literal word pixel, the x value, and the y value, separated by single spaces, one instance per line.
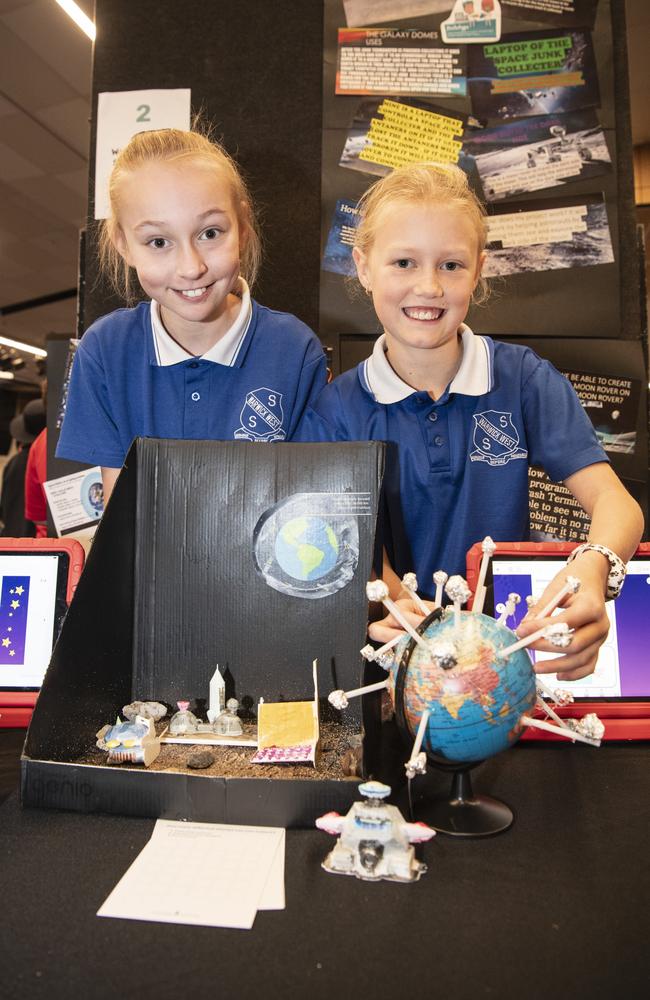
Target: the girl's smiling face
pixel 421 270
pixel 179 229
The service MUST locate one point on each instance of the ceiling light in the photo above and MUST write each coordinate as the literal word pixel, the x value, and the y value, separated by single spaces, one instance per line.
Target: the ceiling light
pixel 7 375
pixel 82 20
pixel 38 352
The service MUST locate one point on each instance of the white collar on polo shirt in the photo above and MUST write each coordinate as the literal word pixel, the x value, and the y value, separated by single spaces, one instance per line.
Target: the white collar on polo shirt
pixel 473 378
pixel 224 352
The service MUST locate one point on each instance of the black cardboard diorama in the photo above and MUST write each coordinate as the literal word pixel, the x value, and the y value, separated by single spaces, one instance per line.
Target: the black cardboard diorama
pixel 198 561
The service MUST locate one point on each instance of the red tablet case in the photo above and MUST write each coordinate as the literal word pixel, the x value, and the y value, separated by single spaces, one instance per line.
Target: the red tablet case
pixel 16 706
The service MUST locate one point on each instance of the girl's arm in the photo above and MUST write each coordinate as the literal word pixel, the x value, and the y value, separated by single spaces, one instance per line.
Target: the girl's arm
pixel 108 481
pixel 390 577
pixel 616 518
pixel 617 523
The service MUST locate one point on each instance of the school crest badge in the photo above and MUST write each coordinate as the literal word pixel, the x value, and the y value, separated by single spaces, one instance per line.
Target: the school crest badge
pixel 496 439
pixel 261 416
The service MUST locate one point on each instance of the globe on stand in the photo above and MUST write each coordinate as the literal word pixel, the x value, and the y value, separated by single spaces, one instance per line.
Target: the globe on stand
pixel 464 691
pixel 475 701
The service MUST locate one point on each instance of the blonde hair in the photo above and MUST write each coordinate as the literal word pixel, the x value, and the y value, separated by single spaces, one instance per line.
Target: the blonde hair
pixel 174 145
pixel 433 183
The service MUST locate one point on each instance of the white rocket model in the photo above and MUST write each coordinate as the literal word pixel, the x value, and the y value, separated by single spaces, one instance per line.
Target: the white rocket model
pixel 217 699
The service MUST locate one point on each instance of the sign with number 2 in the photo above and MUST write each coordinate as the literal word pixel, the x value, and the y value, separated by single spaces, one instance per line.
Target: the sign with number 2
pixel 120 114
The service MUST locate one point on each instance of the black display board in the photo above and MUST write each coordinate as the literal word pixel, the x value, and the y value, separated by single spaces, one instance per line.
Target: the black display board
pixel 243 519
pixel 599 301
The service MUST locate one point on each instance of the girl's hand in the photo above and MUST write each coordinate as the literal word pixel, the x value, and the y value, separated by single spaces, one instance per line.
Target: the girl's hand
pixel 583 611
pixel 387 628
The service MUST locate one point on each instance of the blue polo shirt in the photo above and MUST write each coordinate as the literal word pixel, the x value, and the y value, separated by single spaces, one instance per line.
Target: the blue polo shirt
pixel 457 468
pixel 129 380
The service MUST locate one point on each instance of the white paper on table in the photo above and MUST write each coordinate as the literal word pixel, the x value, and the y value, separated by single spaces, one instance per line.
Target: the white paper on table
pixel 209 874
pixel 272 897
pixel 123 113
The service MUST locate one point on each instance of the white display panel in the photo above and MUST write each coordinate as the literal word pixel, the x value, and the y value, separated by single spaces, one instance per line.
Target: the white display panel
pixel 28 600
pixel 623 667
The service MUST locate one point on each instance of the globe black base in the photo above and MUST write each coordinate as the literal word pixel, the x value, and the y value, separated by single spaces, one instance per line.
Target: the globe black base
pixel 462 813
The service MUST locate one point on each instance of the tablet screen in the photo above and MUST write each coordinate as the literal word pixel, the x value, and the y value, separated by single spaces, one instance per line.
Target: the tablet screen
pixel 623 667
pixel 32 608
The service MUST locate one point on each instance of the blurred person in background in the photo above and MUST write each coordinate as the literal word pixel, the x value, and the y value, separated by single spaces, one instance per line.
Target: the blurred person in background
pixel 35 476
pixel 35 504
pixel 25 429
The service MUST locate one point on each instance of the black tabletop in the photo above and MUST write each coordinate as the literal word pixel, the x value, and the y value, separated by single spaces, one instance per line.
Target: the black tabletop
pixel 558 906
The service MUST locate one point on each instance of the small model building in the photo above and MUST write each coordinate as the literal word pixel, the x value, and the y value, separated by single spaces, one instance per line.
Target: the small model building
pixel 132 742
pixel 227 723
pixel 217 696
pixel 374 839
pixel 183 721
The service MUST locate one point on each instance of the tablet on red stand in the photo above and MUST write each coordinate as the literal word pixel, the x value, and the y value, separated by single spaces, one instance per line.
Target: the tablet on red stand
pixel 619 689
pixel 38 577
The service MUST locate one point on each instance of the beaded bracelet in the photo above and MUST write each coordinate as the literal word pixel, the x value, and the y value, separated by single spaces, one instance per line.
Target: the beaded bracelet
pixel 616 577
